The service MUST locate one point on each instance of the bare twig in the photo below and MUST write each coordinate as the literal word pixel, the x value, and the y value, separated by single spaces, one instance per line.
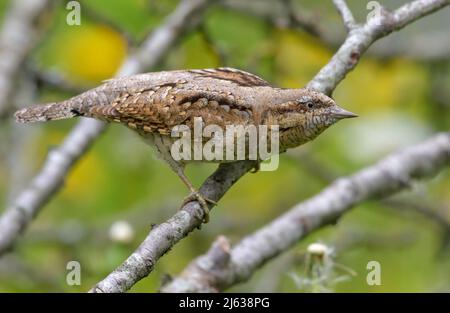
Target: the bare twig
pixel 18 36
pixel 60 160
pixel 428 46
pixel 346 14
pixel 357 42
pixel 222 268
pixel 166 235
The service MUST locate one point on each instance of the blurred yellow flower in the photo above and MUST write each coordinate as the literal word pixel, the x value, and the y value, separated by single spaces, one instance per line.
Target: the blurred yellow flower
pixel 298 58
pixel 92 52
pixel 86 180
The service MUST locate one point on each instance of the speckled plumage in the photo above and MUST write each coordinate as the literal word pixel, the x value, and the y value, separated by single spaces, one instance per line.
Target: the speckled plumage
pixel 156 102
pixel 153 103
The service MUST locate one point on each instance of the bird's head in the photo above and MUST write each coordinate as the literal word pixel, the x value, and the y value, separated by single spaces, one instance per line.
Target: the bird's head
pixel 307 115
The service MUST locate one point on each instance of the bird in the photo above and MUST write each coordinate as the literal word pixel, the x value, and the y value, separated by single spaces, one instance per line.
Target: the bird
pixel 153 104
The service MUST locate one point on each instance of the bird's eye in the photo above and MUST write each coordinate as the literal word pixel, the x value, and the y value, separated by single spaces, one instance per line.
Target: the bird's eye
pixel 310 105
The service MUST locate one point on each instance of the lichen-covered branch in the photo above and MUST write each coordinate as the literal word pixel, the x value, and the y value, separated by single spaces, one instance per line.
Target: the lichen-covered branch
pixel 162 238
pixel 222 267
pixel 18 36
pixel 61 160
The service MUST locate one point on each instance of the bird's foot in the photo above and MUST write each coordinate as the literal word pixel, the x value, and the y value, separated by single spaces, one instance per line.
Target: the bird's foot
pixel 197 196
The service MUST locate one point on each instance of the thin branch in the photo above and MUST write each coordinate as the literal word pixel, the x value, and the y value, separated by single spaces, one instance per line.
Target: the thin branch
pixel 222 267
pixel 60 160
pixel 357 41
pixel 429 46
pixel 162 238
pixel 18 36
pixel 407 14
pixel 346 14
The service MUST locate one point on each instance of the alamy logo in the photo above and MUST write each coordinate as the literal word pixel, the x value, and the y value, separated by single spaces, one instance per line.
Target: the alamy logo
pixel 73 277
pixel 74 16
pixel 234 143
pixel 375 12
pixel 373 278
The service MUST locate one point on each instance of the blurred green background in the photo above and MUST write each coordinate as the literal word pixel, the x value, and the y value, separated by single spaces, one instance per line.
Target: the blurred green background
pixel 401 99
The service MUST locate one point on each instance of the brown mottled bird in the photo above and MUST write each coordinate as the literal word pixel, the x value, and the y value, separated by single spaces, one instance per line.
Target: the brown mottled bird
pixel 153 104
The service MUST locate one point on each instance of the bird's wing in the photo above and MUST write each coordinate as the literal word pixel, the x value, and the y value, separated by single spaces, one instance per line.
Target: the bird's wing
pixel 238 77
pixel 223 74
pixel 162 107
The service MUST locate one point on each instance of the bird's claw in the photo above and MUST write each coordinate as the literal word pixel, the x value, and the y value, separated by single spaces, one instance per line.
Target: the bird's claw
pixel 196 196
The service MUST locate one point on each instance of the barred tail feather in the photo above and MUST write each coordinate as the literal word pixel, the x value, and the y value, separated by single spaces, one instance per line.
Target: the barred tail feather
pixel 47 112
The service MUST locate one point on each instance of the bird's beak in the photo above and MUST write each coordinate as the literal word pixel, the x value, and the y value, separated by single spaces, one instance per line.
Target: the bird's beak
pixel 340 113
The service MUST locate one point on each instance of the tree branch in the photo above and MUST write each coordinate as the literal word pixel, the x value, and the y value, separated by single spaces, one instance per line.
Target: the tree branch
pixel 431 46
pixel 222 267
pixel 346 14
pixel 361 37
pixel 60 160
pixel 435 212
pixel 18 36
pixel 162 238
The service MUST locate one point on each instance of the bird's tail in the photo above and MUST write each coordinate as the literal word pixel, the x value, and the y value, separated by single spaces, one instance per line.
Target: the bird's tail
pixel 47 112
pixel 80 105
